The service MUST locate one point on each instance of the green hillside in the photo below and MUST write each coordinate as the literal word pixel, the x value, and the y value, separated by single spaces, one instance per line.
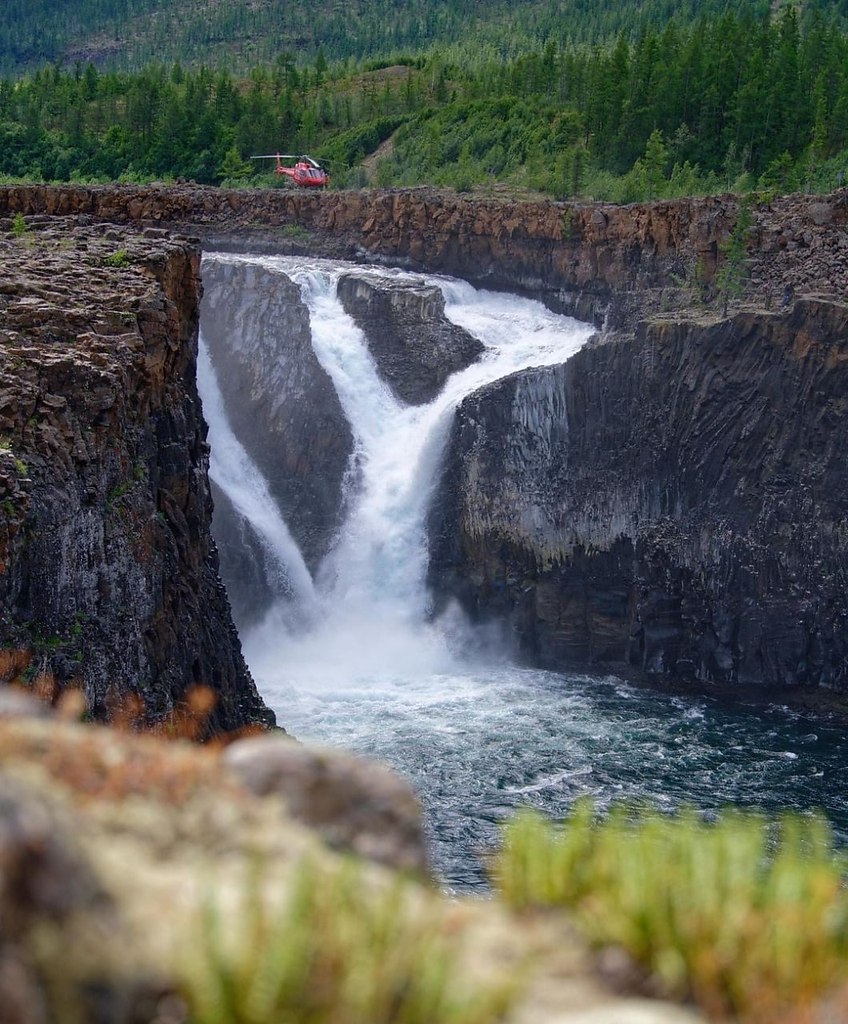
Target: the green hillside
pixel 729 102
pixel 239 34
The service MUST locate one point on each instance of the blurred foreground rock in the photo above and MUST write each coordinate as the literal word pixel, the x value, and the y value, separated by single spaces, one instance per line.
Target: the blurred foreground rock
pixel 112 846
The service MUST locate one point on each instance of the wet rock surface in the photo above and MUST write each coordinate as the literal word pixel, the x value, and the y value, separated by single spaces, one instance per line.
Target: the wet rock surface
pixel 416 348
pixel 244 562
pixel 108 575
pixel 280 402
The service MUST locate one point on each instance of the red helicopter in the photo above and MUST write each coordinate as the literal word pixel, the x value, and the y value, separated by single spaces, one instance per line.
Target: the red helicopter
pixel 306 172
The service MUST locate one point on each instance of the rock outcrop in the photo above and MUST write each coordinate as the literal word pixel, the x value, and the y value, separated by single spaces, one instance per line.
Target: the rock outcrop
pixel 245 564
pixel 593 260
pixel 675 503
pixel 696 563
pixel 108 574
pixel 416 348
pixel 280 402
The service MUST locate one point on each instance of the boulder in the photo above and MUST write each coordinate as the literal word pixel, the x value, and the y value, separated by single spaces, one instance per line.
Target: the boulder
pixel 353 804
pixel 416 348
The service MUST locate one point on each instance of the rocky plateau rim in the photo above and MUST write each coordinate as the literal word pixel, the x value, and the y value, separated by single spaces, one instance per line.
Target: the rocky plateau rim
pixel 596 260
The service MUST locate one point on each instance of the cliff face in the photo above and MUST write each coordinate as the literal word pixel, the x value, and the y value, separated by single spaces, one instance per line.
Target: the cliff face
pixel 675 502
pixel 108 575
pixel 280 402
pixel 670 500
pixel 592 260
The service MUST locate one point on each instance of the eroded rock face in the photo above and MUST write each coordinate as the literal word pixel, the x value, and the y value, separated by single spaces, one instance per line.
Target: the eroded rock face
pixel 416 348
pixel 244 563
pixel 592 260
pixel 675 503
pixel 108 574
pixel 280 402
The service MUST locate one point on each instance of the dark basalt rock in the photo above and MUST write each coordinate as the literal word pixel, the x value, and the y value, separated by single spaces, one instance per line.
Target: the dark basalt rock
pixel 108 574
pixel 592 260
pixel 671 501
pixel 280 402
pixel 674 503
pixel 416 348
pixel 252 586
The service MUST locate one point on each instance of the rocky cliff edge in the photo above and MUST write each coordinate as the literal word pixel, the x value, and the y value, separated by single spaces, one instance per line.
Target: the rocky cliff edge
pixel 595 260
pixel 108 574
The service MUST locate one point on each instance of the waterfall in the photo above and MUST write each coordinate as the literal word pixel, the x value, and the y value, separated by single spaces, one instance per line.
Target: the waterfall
pixel 232 469
pixel 366 669
pixel 371 588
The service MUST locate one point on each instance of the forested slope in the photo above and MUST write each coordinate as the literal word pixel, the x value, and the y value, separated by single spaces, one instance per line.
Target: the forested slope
pixel 733 102
pixel 242 33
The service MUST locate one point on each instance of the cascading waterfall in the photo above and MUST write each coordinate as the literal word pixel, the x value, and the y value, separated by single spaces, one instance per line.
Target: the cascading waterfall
pixel 239 478
pixel 372 585
pixel 365 669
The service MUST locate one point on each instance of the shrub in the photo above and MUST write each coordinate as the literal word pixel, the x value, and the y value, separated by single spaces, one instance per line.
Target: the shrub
pixel 295 232
pixel 745 917
pixel 334 952
pixel 730 279
pixel 119 259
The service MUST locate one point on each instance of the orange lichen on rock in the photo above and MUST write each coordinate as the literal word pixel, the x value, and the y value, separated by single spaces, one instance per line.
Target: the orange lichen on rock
pixel 13 663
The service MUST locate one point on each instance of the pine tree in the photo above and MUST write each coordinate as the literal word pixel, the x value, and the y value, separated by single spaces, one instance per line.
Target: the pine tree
pixel 731 275
pixel 654 162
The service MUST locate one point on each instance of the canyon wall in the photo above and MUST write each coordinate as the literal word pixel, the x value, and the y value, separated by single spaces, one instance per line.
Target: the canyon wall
pixel 108 574
pixel 670 499
pixel 675 503
pixel 415 347
pixel 592 259
pixel 280 402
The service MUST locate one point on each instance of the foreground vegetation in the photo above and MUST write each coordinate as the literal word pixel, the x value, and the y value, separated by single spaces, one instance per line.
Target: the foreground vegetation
pixel 728 102
pixel 745 917
pixel 749 919
pixel 335 951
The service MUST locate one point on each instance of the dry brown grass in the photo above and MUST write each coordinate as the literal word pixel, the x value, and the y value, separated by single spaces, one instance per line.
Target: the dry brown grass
pixel 14 662
pixel 97 764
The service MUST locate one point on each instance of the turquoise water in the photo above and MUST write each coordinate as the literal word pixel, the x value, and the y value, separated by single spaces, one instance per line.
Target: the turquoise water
pixel 350 658
pixel 478 745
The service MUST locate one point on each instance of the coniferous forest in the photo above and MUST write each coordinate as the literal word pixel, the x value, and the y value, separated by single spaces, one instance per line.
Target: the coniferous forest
pixel 664 106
